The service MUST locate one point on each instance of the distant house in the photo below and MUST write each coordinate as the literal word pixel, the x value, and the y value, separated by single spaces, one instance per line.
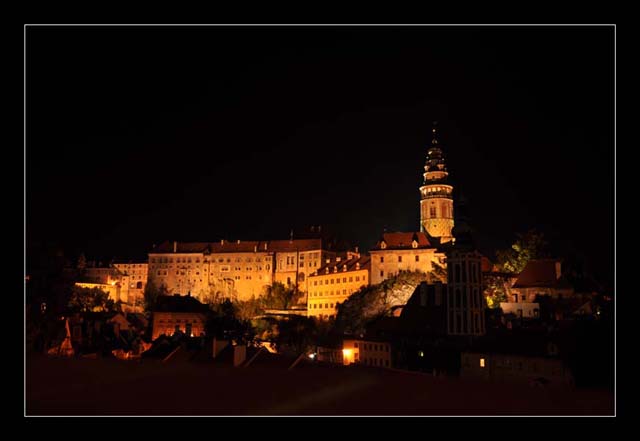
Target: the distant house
pixel 516 358
pixel 179 313
pixel 541 277
pixel 369 352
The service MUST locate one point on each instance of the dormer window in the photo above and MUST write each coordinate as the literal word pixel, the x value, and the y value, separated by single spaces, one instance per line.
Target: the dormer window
pixel 414 244
pixel 383 245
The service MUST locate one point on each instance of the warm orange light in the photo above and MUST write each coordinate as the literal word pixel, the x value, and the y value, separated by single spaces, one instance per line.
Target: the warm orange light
pixel 482 362
pixel 347 352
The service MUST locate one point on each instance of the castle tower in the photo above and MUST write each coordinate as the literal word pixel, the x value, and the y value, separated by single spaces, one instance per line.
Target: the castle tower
pixel 436 200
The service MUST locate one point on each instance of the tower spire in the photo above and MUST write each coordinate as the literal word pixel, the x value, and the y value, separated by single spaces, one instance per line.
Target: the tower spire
pixel 436 199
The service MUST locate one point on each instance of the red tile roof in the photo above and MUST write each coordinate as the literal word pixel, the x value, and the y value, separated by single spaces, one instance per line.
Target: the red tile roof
pixel 403 240
pixel 539 272
pixel 364 261
pixel 239 246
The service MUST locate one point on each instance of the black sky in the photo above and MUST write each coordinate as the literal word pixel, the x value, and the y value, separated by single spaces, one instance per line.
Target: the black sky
pixel 137 135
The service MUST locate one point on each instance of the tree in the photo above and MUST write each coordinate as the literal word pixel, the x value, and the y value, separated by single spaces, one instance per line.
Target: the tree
pixel 375 301
pixel 438 273
pixel 90 300
pixel 151 294
pixel 296 333
pixel 278 296
pixel 224 323
pixel 530 245
pixel 495 290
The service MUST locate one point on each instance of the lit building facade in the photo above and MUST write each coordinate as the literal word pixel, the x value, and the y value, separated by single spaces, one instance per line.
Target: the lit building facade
pixel 179 313
pixel 235 270
pixel 334 282
pixel 436 198
pixel 396 252
pixel 367 352
pixel 133 278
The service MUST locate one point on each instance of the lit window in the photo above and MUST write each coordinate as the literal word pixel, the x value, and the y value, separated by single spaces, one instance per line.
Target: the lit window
pixel 482 362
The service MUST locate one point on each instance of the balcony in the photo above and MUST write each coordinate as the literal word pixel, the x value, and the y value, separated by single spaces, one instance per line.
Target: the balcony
pixel 437 194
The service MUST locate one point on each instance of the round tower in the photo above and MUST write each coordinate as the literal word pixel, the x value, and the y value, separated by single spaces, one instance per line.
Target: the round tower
pixel 436 200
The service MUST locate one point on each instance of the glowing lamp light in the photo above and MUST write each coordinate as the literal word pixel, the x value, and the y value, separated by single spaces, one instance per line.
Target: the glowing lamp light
pixel 482 362
pixel 312 356
pixel 347 353
pixel 421 353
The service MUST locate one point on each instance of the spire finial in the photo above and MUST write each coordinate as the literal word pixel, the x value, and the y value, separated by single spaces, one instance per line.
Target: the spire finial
pixel 435 134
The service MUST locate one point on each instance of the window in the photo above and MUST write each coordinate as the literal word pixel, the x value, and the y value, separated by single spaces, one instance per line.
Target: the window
pixel 417 258
pixel 432 211
pixel 381 259
pixel 482 362
pixel 399 258
pixel 381 273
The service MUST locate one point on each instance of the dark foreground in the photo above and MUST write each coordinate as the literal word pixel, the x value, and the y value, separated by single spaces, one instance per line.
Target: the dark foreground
pixel 148 387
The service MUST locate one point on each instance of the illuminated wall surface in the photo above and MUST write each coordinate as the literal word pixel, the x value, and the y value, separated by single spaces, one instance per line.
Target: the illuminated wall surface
pixel 334 283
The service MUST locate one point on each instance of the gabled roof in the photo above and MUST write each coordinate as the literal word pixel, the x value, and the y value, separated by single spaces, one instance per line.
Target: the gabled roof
pixel 539 273
pixel 403 240
pixel 364 261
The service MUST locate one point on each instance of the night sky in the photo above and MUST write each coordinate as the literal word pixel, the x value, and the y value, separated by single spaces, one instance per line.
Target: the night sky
pixel 136 135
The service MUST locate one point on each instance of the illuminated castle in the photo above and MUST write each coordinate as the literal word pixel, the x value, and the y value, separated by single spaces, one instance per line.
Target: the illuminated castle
pixel 436 201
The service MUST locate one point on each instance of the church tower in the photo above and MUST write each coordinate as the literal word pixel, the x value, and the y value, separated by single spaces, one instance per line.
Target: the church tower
pixel 436 200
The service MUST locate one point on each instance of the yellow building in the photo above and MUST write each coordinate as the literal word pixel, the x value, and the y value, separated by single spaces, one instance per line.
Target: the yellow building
pixel 366 352
pixel 333 283
pixel 396 252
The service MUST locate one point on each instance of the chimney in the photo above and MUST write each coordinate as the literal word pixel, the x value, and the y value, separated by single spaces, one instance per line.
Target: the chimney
pixel 255 248
pixel 238 241
pixel 265 246
pixel 558 269
pixel 357 265
pixel 344 267
pixel 175 246
pixel 357 252
pixel 221 241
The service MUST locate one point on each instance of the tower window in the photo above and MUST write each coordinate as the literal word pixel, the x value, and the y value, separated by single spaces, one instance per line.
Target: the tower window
pixel 432 211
